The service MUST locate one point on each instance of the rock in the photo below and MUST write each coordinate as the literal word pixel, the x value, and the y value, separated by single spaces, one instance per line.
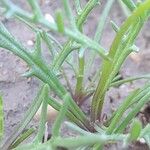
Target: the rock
pixel 51 114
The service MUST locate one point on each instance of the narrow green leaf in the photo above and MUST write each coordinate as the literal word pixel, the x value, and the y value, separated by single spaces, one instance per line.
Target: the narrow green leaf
pixel 37 49
pixel 60 21
pixel 86 140
pixel 130 4
pixel 100 29
pixel 36 9
pixel 61 115
pixel 102 20
pixel 28 74
pixel 119 113
pixel 137 107
pixel 22 137
pixel 114 26
pixel 76 128
pixel 129 103
pixel 69 14
pixel 43 117
pixel 134 48
pixel 85 12
pixel 125 9
pixel 49 43
pixel 135 131
pixel 120 82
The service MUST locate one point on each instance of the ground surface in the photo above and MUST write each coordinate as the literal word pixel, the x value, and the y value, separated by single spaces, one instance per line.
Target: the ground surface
pixel 18 92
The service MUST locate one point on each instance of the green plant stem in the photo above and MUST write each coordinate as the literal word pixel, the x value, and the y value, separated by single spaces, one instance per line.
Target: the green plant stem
pixel 43 117
pixel 85 12
pixel 85 140
pixel 67 81
pixel 80 76
pixel 76 128
pixel 60 118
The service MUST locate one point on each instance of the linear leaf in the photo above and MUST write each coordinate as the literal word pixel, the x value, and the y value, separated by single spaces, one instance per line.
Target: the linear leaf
pixel 61 115
pixel 22 137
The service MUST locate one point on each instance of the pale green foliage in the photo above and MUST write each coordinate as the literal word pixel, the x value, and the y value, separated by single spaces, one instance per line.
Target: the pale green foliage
pixel 92 134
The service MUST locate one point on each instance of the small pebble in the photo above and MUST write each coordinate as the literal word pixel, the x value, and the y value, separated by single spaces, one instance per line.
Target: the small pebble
pixel 49 18
pixel 142 140
pixel 135 57
pixel 51 114
pixel 1 65
pixel 30 43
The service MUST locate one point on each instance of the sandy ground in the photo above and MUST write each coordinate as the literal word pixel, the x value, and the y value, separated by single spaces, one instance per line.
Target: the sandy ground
pixel 18 92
